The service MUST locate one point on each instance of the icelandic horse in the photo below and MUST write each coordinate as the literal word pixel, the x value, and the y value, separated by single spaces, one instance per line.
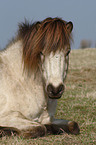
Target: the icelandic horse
pixel 33 68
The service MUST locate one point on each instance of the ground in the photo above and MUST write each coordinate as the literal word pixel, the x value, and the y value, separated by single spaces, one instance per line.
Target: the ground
pixel 78 103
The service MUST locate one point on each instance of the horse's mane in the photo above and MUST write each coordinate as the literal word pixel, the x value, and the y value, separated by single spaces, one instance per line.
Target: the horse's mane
pixel 46 36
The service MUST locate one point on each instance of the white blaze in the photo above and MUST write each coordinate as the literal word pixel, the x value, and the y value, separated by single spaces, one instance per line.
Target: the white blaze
pixel 53 69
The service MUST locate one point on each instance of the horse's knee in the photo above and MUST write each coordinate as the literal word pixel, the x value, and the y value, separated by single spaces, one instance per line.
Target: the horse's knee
pixel 34 132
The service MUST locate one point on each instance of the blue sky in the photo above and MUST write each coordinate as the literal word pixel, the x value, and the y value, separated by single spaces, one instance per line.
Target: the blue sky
pixel 81 12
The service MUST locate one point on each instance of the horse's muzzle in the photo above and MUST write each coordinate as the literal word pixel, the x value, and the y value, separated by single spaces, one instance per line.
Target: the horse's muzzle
pixel 55 92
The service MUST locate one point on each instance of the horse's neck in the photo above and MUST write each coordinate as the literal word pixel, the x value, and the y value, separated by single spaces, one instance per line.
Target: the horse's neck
pixel 13 56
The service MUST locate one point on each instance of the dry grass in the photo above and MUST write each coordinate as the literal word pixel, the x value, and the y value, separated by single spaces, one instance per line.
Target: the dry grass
pixel 78 103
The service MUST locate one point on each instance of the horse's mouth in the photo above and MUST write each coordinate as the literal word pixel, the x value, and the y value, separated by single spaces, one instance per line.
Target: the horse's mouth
pixel 54 97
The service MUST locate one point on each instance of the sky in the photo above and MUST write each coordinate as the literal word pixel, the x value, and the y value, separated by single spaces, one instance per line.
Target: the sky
pixel 81 12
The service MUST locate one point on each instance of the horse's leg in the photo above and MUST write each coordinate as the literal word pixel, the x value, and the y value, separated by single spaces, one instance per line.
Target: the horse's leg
pixel 60 126
pixel 29 132
pixel 16 123
pixel 33 130
pixel 8 131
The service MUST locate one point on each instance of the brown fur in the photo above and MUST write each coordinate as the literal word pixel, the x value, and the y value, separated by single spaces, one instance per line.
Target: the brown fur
pixel 49 35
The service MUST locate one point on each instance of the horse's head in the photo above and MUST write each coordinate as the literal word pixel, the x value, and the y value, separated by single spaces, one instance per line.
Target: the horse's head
pixel 46 46
pixel 54 59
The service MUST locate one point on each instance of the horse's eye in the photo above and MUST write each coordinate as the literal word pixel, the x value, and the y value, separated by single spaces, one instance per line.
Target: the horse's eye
pixel 41 53
pixel 42 56
pixel 68 53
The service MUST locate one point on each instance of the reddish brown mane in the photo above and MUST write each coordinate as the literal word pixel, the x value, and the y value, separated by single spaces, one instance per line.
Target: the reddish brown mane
pixel 46 36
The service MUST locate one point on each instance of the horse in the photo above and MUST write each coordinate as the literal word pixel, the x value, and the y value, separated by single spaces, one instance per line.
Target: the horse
pixel 33 68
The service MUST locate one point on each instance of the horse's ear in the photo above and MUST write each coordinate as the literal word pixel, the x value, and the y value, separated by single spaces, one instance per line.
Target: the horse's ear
pixel 38 24
pixel 69 26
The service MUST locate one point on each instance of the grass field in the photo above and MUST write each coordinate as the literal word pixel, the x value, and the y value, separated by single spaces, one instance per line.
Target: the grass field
pixel 78 103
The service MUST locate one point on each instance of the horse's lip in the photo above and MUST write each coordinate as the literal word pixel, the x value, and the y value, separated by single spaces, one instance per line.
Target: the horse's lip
pixel 54 97
pixel 57 96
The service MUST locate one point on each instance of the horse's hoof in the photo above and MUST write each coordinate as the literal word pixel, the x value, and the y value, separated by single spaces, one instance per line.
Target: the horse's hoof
pixel 73 127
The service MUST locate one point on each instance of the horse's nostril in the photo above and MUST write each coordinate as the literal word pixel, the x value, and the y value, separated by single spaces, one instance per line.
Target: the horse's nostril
pixel 55 91
pixel 61 88
pixel 50 88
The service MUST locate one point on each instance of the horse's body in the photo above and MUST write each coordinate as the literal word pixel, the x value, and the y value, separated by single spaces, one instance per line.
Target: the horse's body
pixel 28 91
